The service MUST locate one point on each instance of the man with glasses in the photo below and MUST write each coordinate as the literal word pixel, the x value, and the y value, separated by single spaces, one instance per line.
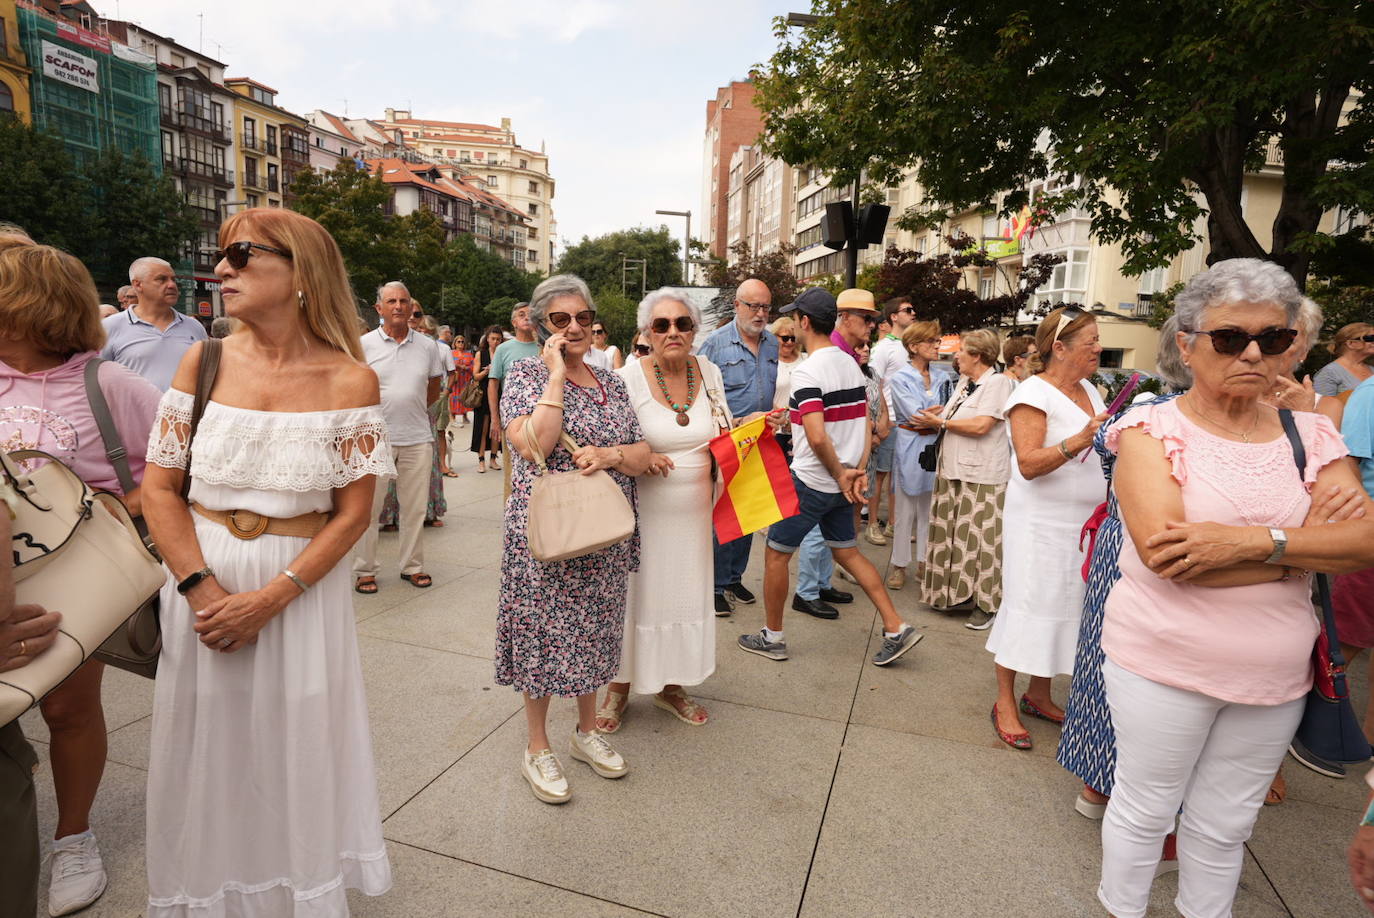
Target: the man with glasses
pixel 747 354
pixel 410 369
pixel 507 352
pixel 830 446
pixel 126 297
pixel 151 336
pixel 887 357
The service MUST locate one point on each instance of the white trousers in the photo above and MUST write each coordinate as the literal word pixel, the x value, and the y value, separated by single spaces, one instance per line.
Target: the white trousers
pixel 910 515
pixel 412 492
pixel 1176 748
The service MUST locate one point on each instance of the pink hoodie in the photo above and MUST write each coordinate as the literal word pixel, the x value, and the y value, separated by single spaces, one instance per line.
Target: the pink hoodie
pixel 49 411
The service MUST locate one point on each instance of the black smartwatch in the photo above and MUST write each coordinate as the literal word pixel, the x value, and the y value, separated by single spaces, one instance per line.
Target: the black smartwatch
pixel 191 582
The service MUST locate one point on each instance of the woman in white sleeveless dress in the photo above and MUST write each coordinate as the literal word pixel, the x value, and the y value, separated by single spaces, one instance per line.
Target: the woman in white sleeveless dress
pixel 262 798
pixel 670 624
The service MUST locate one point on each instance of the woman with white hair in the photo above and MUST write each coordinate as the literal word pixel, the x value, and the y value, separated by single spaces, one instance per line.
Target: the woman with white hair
pixel 559 627
pixel 1208 634
pixel 670 625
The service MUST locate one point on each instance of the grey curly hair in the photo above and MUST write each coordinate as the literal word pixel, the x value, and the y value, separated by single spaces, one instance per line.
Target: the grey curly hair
pixel 554 287
pixel 1236 280
pixel 662 295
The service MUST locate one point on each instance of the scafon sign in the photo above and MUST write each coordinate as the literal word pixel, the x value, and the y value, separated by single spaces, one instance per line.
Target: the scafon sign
pixel 70 67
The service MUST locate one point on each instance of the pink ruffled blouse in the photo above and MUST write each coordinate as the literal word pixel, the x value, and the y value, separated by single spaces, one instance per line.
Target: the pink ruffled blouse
pixel 1244 644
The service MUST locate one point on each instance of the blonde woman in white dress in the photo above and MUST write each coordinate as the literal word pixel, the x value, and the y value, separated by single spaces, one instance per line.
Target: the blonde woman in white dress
pixel 670 625
pixel 262 797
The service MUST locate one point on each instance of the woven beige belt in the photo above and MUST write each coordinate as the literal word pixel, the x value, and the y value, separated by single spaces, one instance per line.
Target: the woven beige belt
pixel 245 524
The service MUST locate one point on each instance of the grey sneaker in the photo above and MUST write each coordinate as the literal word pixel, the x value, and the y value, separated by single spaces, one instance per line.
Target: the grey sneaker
pixel 758 643
pixel 978 620
pixel 893 648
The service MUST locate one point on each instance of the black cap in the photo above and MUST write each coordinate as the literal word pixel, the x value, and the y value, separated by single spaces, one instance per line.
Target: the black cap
pixel 813 301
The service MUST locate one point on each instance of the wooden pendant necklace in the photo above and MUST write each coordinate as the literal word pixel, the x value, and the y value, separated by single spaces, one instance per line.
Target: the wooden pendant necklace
pixel 682 419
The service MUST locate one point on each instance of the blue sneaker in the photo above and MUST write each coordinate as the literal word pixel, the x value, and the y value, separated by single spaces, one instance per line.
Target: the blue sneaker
pixel 894 647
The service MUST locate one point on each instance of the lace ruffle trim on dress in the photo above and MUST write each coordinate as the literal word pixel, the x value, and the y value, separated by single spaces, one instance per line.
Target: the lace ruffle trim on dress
pixel 273 451
pixel 370 873
pixel 1160 421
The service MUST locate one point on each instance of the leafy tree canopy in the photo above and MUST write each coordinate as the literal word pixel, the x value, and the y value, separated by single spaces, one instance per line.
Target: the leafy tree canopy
pixel 774 268
pixel 1160 107
pixel 599 261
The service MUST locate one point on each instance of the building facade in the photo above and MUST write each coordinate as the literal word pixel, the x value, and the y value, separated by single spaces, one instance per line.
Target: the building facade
pixel 14 66
pixel 491 156
pixel 758 201
pixel 331 140
pixel 732 122
pixel 260 127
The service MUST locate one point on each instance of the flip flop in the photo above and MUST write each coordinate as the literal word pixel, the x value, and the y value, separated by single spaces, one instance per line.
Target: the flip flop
pixel 421 580
pixel 365 585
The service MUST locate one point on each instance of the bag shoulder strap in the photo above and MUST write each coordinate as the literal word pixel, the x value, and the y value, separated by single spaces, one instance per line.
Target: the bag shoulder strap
pixel 532 442
pixel 109 433
pixel 1290 429
pixel 210 353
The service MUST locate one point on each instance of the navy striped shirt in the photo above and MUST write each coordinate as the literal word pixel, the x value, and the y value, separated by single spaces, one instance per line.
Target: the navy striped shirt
pixel 828 381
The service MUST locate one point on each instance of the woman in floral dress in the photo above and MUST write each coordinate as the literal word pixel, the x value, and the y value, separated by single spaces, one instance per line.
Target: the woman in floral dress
pixel 560 624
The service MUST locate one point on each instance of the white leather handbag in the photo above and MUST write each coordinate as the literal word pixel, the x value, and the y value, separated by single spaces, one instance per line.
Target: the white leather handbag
pixel 572 514
pixel 76 551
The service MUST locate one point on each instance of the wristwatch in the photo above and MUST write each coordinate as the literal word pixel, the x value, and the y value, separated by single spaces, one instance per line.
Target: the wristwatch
pixel 1280 545
pixel 191 582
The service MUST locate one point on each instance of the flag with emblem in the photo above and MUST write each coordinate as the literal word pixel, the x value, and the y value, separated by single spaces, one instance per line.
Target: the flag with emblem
pixel 757 484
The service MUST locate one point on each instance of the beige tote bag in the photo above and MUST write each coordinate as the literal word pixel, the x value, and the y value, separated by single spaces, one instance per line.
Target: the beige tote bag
pixel 572 514
pixel 76 552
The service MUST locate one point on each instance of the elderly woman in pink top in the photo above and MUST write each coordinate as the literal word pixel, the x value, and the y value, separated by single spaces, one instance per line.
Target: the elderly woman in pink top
pixel 1208 634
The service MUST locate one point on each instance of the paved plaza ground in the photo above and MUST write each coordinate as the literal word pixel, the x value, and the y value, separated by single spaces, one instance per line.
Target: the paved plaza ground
pixel 822 786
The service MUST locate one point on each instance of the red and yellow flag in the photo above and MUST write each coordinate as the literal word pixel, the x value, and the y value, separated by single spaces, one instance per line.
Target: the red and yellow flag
pixel 757 484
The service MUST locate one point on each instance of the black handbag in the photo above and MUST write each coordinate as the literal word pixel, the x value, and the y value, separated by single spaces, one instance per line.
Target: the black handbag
pixel 1329 727
pixel 929 458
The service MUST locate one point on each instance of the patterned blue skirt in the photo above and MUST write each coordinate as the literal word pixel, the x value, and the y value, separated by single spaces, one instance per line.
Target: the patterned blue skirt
pixel 1087 746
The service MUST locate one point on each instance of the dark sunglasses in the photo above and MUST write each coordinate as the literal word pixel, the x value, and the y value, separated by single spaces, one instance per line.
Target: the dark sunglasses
pixel 787 339
pixel 564 319
pixel 642 350
pixel 1367 338
pixel 417 315
pixel 598 331
pixel 870 318
pixel 908 310
pixel 661 325
pixel 1232 341
pixel 236 253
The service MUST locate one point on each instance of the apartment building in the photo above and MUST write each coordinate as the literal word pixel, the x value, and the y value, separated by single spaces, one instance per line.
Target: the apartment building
pixel 331 140
pixel 259 128
pixel 14 66
pixel 491 156
pixel 758 197
pixel 732 122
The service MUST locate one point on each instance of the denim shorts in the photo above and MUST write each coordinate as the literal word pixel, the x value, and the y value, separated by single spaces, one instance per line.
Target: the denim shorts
pixel 831 512
pixel 881 459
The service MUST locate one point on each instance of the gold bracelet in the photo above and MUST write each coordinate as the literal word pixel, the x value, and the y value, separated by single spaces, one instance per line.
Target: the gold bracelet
pixel 549 403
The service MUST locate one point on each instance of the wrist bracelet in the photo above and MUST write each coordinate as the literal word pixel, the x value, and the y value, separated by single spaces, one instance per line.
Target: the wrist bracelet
pixel 549 403
pixel 1063 448
pixel 294 578
pixel 193 580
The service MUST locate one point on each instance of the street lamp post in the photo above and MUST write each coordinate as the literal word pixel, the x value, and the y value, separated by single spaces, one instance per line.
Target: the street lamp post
pixel 686 245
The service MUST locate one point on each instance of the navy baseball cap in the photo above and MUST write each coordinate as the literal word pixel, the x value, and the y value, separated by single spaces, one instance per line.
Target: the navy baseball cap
pixel 813 301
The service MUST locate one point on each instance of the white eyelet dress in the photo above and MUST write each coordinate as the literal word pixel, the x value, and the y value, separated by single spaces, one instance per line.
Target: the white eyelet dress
pixel 262 796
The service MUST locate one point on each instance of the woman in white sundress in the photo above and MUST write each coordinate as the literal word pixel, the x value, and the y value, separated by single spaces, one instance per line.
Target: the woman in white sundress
pixel 670 623
pixel 262 798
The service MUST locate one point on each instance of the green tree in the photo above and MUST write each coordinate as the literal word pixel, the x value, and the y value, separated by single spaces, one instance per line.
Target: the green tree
pixel 347 201
pixel 134 212
pixel 40 189
pixel 1151 104
pixel 599 261
pixel 774 268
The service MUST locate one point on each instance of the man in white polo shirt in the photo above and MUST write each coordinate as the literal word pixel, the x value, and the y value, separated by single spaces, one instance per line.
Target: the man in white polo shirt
pixel 408 365
pixel 151 337
pixel 830 443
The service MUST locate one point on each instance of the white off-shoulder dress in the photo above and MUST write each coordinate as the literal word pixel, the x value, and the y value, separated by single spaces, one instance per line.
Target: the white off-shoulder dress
pixel 262 796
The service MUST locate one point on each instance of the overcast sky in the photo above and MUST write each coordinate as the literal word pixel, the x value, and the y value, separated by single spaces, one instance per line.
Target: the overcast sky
pixel 616 89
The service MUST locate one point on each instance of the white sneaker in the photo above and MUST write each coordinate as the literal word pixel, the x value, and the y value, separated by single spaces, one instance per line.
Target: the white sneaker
pixel 545 774
pixel 594 749
pixel 78 875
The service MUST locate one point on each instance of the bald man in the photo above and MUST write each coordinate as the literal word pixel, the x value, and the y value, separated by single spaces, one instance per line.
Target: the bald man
pixel 747 354
pixel 151 336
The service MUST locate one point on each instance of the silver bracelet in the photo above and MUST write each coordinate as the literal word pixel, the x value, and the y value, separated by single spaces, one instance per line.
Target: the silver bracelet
pixel 292 576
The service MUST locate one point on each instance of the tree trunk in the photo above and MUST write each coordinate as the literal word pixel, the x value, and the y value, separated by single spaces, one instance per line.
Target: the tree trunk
pixel 1220 178
pixel 1306 124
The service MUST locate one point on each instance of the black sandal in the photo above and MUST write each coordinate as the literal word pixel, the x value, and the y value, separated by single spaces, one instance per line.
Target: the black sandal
pixel 362 585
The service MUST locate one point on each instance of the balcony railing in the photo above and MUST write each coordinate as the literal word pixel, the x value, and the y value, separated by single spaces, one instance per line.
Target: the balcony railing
pixel 214 173
pixel 1144 305
pixel 273 184
pixel 256 144
pixel 255 181
pixel 296 152
pixel 1273 153
pixel 271 148
pixel 190 120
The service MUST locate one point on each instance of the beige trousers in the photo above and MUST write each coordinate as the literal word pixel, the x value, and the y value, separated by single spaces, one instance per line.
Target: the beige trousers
pixel 412 491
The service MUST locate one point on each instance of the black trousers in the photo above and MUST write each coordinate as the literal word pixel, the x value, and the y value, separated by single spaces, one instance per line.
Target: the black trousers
pixel 18 825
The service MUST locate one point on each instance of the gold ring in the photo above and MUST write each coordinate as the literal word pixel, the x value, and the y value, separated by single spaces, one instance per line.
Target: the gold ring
pixel 23 648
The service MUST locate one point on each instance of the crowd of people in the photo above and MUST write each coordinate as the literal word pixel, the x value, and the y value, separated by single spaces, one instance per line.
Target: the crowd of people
pixel 1185 621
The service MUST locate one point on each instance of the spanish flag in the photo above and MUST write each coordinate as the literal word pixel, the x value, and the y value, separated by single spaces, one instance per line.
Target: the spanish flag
pixel 757 484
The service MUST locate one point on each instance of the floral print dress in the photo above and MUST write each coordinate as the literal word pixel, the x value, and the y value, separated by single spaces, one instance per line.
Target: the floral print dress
pixel 560 625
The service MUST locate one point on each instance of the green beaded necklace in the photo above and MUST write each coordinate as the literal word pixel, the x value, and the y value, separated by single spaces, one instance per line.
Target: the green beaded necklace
pixel 682 419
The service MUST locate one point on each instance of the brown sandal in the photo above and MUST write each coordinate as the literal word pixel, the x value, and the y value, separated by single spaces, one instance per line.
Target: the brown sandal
pixel 365 585
pixel 420 579
pixel 1278 791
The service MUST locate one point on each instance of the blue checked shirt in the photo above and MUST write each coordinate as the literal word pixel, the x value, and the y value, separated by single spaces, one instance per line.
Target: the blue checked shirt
pixel 750 380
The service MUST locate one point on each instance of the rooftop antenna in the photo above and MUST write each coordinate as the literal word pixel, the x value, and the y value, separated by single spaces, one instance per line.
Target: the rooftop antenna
pixel 345 102
pixel 201 46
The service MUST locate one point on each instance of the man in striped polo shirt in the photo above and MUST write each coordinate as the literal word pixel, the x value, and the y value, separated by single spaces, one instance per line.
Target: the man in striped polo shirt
pixel 830 437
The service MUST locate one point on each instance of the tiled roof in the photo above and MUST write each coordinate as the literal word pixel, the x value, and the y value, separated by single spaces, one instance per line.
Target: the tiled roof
pixel 399 172
pixel 464 138
pixel 228 80
pixel 338 126
pixel 452 124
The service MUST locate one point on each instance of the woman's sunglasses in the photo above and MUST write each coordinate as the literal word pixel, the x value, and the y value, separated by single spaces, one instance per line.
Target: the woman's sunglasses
pixel 564 319
pixel 236 253
pixel 787 339
pixel 642 350
pixel 661 325
pixel 598 331
pixel 1232 341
